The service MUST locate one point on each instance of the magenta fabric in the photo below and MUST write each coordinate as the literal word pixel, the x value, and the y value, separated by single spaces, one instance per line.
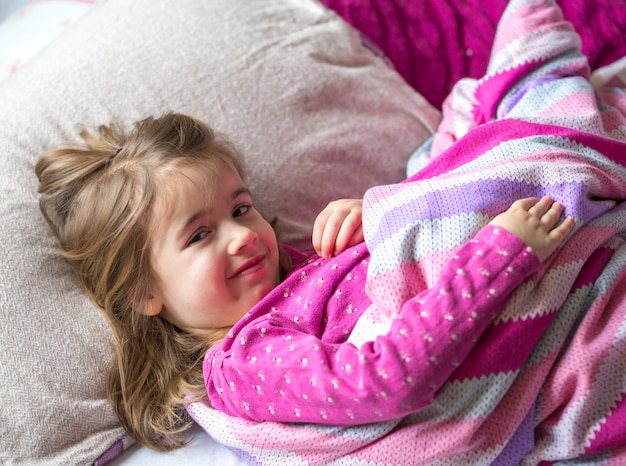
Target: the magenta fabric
pixel 557 353
pixel 434 43
pixel 288 359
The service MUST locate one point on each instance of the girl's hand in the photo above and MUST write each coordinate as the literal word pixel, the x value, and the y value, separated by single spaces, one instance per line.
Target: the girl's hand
pixel 536 222
pixel 338 227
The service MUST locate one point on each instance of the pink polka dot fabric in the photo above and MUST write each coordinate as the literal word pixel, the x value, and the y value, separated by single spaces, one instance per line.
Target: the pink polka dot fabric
pixel 546 382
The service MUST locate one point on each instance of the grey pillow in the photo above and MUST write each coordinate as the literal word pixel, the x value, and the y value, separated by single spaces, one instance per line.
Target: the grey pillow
pixel 317 115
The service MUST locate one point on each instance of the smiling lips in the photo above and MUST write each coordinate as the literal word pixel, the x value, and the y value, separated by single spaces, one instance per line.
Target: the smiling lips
pixel 251 266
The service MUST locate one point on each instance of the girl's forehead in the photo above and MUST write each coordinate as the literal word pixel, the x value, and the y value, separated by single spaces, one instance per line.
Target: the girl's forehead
pixel 204 176
pixel 180 185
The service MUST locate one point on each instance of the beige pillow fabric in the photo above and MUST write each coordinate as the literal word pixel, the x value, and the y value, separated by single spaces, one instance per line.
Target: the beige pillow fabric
pixel 317 115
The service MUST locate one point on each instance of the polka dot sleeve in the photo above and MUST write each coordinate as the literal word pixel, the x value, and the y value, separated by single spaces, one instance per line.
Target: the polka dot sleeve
pixel 286 374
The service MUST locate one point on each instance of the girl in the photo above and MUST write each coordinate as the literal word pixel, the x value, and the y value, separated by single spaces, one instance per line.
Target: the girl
pixel 204 302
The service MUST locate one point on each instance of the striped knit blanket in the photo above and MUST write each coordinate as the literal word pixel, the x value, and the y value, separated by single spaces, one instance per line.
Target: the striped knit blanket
pixel 546 383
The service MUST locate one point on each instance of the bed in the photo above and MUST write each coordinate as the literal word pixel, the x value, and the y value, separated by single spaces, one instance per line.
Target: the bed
pixel 344 92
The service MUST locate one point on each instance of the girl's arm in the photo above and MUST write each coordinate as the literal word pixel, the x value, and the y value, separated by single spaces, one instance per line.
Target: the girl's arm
pixel 275 371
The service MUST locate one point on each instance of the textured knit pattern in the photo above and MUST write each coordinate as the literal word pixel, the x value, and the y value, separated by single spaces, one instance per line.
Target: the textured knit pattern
pixel 546 382
pixel 288 359
pixel 434 43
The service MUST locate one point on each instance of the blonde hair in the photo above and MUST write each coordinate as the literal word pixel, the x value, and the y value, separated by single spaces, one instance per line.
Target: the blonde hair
pixel 98 198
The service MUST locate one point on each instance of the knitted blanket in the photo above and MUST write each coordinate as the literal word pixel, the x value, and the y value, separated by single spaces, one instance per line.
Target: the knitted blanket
pixel 434 43
pixel 546 383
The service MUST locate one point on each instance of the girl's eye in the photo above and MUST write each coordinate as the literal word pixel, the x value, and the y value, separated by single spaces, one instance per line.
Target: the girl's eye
pixel 239 211
pixel 199 236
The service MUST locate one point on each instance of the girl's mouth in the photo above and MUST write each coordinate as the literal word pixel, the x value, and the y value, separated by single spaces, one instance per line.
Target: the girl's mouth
pixel 250 266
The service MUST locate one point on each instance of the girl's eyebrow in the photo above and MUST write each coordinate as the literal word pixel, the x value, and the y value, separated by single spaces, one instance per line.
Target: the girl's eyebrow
pixel 240 191
pixel 181 232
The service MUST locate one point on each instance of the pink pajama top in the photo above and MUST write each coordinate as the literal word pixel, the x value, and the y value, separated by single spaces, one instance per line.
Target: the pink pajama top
pixel 289 360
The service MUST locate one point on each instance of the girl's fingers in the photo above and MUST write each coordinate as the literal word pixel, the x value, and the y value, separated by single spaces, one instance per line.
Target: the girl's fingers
pixel 357 236
pixel 336 226
pixel 541 206
pixel 349 228
pixel 548 211
pixel 562 229
pixel 525 203
pixel 324 230
pixel 318 230
pixel 337 233
pixel 331 230
pixel 552 216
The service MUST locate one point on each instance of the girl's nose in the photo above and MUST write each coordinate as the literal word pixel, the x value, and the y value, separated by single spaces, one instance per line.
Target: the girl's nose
pixel 241 238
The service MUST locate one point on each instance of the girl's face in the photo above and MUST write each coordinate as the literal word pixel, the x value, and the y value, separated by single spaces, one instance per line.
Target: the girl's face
pixel 214 255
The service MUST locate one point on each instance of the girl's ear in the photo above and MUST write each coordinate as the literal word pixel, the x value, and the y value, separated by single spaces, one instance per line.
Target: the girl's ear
pixel 152 307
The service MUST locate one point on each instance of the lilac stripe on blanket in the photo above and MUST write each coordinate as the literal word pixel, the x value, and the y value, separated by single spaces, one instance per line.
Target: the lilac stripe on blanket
pixel 546 383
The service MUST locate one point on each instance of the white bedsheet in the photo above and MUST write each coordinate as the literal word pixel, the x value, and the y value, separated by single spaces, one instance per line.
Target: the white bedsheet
pixel 202 450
